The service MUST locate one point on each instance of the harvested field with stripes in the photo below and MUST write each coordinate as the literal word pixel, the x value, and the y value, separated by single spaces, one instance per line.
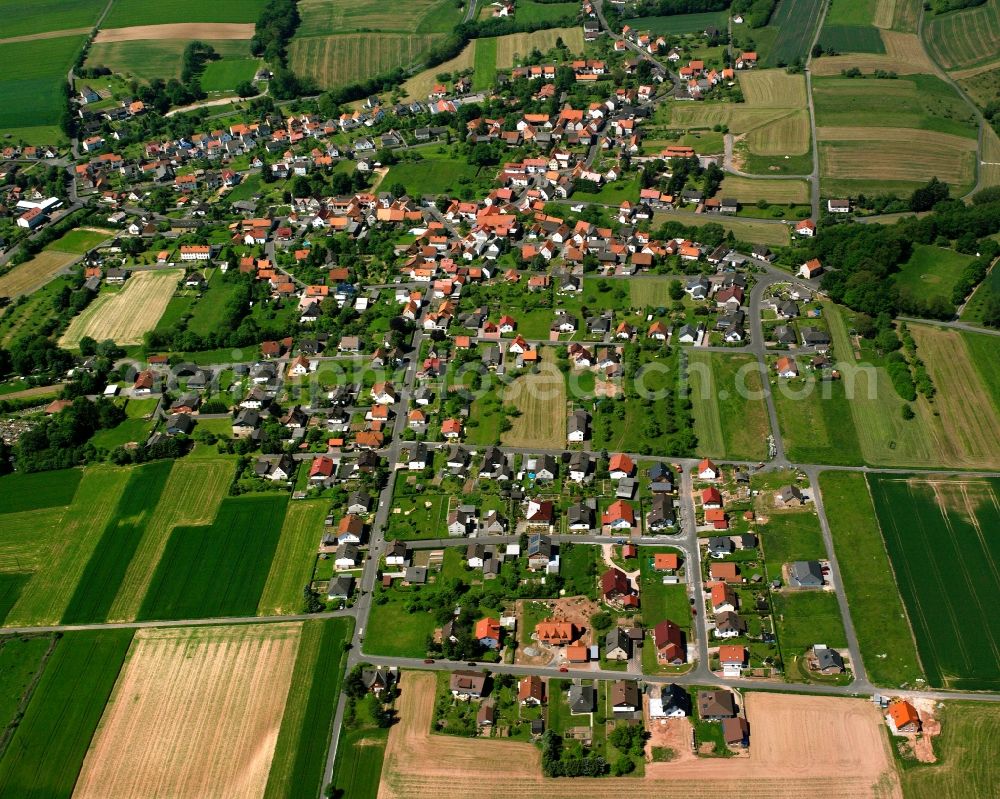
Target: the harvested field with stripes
pixel 787 135
pixel 965 38
pixel 421 84
pixel 329 17
pixel 127 315
pixel 904 54
pixel 748 190
pixel 773 88
pixel 195 712
pixel 336 60
pixel 541 399
pixel 32 275
pixel 899 15
pixel 787 761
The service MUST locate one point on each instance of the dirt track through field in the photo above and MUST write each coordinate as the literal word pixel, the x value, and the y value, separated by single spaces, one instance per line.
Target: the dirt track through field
pixel 127 315
pixel 33 37
pixel 180 30
pixel 195 713
pixel 801 747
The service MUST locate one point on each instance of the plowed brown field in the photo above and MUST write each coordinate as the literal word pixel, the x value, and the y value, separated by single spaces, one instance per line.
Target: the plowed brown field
pixel 800 747
pixel 180 30
pixel 195 713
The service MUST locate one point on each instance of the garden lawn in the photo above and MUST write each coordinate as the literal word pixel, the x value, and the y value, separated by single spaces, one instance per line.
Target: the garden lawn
pixel 884 634
pixel 805 618
pixel 661 601
pixel 436 173
pixel 219 569
pixel 46 753
pixel 395 632
pixel 727 422
pixel 790 536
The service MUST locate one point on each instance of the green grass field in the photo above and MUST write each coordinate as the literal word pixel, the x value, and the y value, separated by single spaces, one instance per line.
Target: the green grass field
pixel 359 763
pixel 529 11
pixel 221 569
pixel 661 601
pixel 976 305
pixel 20 659
pixel 816 422
pixel 136 430
pixel 753 231
pixel 208 311
pixel 922 102
pixel 126 13
pixel 851 12
pixel 11 586
pixel 43 16
pixel 299 753
pixel 730 417
pixel 102 578
pixel 57 546
pixel 966 751
pixel 982 351
pixel 941 536
pixel 680 23
pixel 852 38
pixel 38 490
pixel 224 75
pixel 294 557
pixel 790 536
pixel 146 59
pixel 796 22
pixel 887 646
pixel 805 618
pixel 31 78
pixel 486 64
pixel 326 17
pixel 46 753
pixel 931 272
pixel 79 241
pixel 395 632
pixel 437 173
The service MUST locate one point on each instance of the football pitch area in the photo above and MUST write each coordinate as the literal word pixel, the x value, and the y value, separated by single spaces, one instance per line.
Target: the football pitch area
pixel 942 536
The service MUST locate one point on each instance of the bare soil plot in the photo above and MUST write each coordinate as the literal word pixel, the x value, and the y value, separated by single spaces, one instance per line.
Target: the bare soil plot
pixel 127 315
pixel 801 746
pixel 32 275
pixel 179 30
pixel 195 713
pixel 541 399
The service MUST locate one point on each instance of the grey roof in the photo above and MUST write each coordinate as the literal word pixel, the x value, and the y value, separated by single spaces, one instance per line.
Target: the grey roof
pixel 416 575
pixel 828 658
pixel 618 638
pixel 805 574
pixel 582 699
pixel 341 586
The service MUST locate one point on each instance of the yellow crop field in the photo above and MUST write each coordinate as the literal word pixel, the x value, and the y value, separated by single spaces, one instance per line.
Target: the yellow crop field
pixel 421 84
pixel 748 190
pixel 904 54
pixel 32 275
pixel 788 135
pixel 773 88
pixel 541 399
pixel 127 315
pixel 516 46
pixel 195 712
